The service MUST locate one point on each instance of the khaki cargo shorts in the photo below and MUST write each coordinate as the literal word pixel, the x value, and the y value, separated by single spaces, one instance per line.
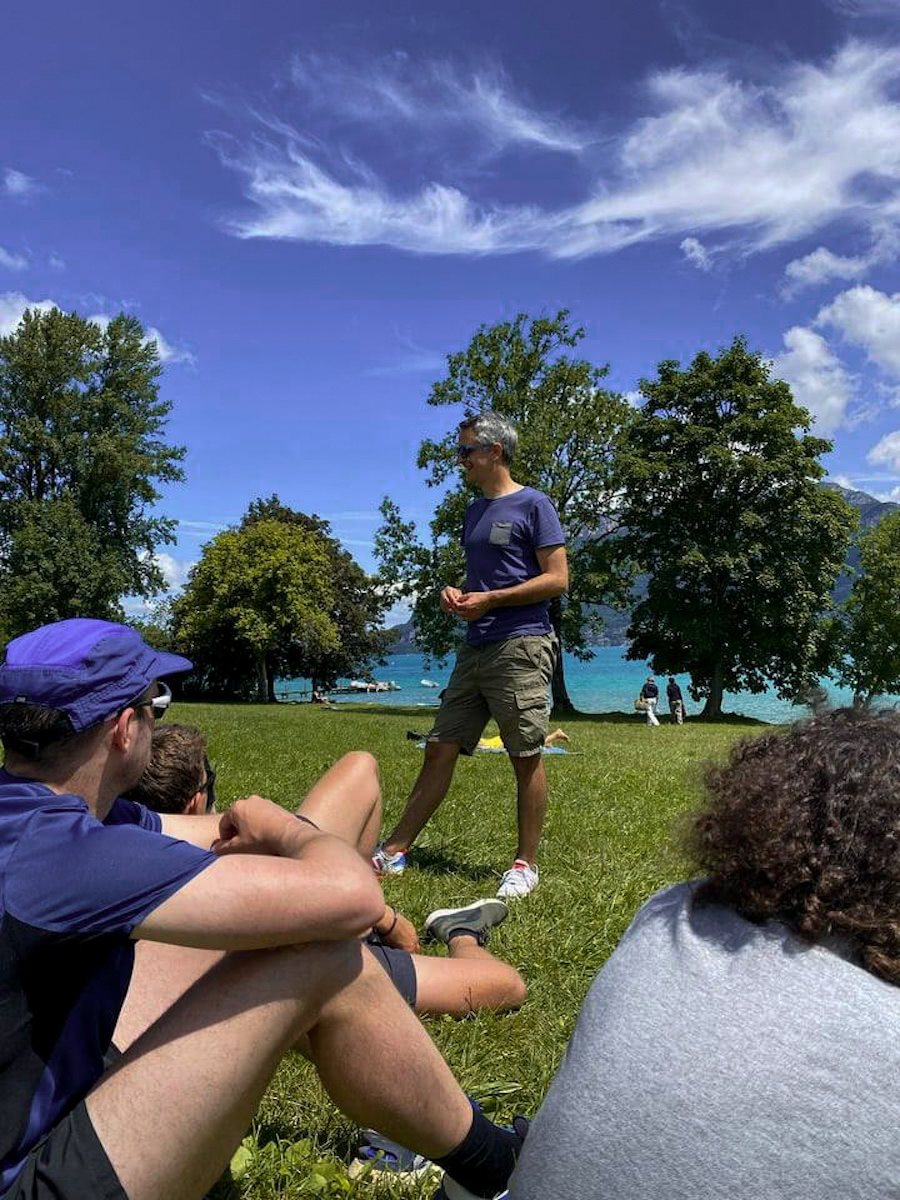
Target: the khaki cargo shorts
pixel 509 681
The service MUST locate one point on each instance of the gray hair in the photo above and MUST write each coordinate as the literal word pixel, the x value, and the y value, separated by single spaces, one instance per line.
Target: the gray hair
pixel 490 427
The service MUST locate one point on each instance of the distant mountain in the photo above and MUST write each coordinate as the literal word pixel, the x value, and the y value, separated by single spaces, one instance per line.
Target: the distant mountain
pixel 615 623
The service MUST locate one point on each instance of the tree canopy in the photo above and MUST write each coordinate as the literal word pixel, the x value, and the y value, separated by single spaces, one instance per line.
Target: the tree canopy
pixel 569 429
pixel 277 597
pixel 254 591
pixel 81 455
pixel 723 511
pixel 867 628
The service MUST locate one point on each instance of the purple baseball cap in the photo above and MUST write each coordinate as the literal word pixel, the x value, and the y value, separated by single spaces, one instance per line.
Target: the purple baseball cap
pixel 85 668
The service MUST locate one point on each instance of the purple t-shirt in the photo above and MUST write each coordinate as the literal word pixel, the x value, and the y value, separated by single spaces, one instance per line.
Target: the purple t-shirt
pixel 501 537
pixel 72 889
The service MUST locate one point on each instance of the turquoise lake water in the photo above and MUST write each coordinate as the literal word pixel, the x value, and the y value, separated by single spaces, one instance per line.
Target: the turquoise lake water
pixel 607 683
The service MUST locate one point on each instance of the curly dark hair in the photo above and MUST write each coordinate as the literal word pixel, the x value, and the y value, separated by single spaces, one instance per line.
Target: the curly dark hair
pixel 803 827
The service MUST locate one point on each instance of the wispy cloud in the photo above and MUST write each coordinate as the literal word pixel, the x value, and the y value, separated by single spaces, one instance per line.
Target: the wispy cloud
pixel 11 261
pixel 199 529
pixel 714 154
pixel 166 351
pixel 19 185
pixel 696 254
pixel 413 360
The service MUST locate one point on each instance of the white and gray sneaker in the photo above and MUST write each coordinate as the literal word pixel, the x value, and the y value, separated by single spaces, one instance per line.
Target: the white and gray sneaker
pixel 518 881
pixel 475 919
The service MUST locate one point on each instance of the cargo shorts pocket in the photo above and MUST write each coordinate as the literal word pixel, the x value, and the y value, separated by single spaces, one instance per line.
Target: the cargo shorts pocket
pixel 532 712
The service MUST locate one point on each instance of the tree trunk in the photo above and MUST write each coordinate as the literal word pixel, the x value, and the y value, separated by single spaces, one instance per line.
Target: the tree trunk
pixel 262 679
pixel 562 701
pixel 713 706
pixel 271 691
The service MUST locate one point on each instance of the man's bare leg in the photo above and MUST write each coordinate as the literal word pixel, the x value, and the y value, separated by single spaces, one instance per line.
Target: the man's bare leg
pixel 429 790
pixel 531 782
pixel 471 978
pixel 194 1079
pixel 346 801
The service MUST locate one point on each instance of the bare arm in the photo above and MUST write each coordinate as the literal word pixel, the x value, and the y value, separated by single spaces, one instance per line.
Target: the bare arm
pixel 201 830
pixel 552 581
pixel 279 882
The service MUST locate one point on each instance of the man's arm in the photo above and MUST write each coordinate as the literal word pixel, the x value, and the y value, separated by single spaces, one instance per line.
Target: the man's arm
pixel 201 829
pixel 552 581
pixel 278 882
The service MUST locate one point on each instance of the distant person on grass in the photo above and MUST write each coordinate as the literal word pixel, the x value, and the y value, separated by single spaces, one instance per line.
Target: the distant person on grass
pixel 650 696
pixel 180 779
pixel 676 701
pixel 743 1041
pixel 515 564
pixel 274 906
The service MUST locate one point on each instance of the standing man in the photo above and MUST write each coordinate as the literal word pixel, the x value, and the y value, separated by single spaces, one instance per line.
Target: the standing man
pixel 515 564
pixel 676 701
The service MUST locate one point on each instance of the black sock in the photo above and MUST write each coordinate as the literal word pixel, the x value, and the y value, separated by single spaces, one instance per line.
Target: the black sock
pixel 484 1159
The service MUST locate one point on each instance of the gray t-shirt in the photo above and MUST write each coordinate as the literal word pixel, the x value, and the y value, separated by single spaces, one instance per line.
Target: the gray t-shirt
pixel 717 1058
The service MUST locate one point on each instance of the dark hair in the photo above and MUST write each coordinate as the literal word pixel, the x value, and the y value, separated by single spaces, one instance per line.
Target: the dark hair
pixel 29 729
pixel 175 772
pixel 803 827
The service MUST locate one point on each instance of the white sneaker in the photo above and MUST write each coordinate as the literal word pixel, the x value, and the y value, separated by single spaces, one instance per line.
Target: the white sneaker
pixel 518 881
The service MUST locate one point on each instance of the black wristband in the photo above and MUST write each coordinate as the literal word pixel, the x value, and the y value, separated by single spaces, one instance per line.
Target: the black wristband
pixel 300 817
pixel 383 933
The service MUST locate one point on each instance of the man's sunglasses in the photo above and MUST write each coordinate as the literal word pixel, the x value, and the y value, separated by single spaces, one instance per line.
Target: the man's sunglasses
pixel 463 452
pixel 156 704
pixel 209 784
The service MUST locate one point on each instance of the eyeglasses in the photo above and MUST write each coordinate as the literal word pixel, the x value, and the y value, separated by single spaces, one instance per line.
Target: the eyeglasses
pixel 209 784
pixel 157 704
pixel 463 451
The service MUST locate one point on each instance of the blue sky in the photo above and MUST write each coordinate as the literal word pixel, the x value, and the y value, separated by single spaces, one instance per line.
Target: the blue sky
pixel 309 205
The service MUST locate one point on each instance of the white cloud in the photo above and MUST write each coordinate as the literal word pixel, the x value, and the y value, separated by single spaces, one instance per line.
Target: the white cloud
pixel 427 95
pixel 816 376
pixel 766 164
pixel 819 267
pixel 635 399
pixel 886 452
pixel 174 570
pixel 12 262
pixel 870 319
pixel 57 263
pixel 12 307
pixel 696 253
pixel 18 184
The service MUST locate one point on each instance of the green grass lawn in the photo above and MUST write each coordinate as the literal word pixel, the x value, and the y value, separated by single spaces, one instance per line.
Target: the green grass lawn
pixel 607 845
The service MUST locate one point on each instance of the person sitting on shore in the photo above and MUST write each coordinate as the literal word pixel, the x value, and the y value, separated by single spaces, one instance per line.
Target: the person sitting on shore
pixel 743 1040
pixel 270 905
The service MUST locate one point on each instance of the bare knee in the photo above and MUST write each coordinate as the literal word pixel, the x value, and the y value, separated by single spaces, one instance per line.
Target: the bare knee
pixel 441 752
pixel 511 989
pixel 363 762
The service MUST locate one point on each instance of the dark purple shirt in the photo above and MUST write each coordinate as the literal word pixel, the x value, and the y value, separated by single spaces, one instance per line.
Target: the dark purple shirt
pixel 501 537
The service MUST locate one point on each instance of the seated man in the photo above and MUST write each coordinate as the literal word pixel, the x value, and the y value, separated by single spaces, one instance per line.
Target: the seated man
pixel 743 1041
pixel 179 779
pixel 83 874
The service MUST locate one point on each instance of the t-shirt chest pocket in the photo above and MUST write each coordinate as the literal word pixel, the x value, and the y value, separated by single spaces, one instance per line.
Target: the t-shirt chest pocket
pixel 501 533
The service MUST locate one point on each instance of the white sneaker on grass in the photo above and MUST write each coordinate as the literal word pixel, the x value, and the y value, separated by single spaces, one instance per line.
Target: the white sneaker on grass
pixel 381 1157
pixel 385 863
pixel 518 881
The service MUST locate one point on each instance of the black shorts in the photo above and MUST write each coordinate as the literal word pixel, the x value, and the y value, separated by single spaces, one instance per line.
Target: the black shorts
pixel 399 966
pixel 68 1164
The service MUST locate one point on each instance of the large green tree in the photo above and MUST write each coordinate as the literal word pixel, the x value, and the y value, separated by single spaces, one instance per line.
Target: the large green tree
pixel 724 512
pixel 81 457
pixel 867 628
pixel 256 592
pixel 569 429
pixel 357 609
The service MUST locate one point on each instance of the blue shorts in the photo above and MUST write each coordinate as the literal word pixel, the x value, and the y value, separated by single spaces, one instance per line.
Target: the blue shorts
pixel 68 1164
pixel 399 966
